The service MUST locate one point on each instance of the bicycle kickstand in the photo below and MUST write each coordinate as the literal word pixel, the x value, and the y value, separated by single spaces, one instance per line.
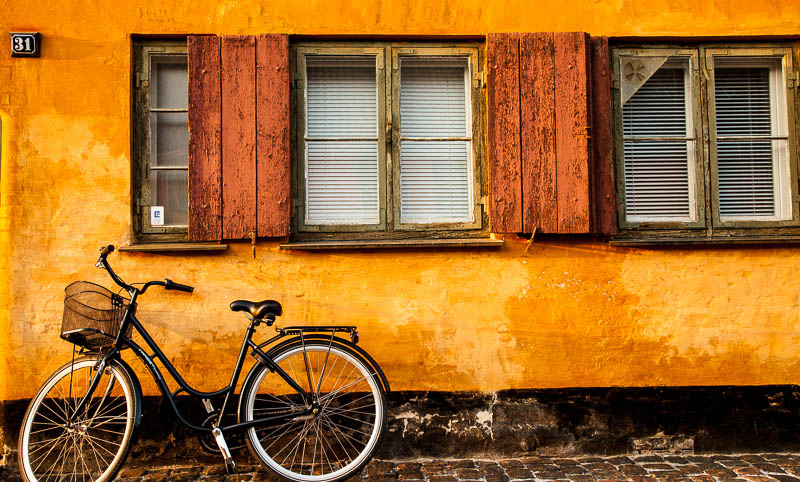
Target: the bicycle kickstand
pixel 230 465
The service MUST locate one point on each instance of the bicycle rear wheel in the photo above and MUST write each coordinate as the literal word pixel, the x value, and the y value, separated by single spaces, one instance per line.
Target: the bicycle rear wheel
pixel 341 437
pixel 97 442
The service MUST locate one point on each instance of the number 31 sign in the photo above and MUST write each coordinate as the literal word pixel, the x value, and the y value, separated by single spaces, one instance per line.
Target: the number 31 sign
pixel 25 44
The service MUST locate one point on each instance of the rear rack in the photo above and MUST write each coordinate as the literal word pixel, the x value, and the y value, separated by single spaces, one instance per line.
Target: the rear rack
pixel 298 330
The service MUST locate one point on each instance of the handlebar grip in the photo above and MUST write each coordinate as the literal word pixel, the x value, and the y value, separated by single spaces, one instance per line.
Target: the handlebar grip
pixel 105 250
pixel 171 285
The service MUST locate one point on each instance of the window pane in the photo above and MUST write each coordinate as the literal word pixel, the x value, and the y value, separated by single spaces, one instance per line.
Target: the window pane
pixel 342 182
pixel 746 168
pixel 435 175
pixel 658 173
pixel 341 98
pixel 169 139
pixel 433 98
pixel 171 190
pixel 169 82
pixel 435 182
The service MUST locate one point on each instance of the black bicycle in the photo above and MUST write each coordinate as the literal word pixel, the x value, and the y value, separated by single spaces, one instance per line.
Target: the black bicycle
pixel 312 408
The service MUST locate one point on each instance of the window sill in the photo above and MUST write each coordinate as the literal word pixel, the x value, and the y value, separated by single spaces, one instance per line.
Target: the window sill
pixel 394 244
pixel 173 247
pixel 704 241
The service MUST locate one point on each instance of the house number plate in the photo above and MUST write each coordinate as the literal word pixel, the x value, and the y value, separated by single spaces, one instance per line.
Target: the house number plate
pixel 25 44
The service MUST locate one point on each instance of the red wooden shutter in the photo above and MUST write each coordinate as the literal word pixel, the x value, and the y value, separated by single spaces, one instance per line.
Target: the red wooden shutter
pixel 605 193
pixel 505 188
pixel 272 142
pixel 239 171
pixel 205 168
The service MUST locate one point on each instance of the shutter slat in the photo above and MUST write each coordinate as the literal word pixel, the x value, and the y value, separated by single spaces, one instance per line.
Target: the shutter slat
pixel 205 161
pixel 238 136
pixel 503 101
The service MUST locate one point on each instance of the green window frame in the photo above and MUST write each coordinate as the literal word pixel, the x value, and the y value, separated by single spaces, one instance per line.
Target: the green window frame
pixel 703 161
pixel 388 58
pixel 146 148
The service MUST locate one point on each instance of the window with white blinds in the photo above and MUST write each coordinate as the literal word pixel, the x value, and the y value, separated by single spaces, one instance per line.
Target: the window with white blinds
pixel 658 144
pixel 386 139
pixel 710 158
pixel 751 141
pixel 341 141
pixel 435 143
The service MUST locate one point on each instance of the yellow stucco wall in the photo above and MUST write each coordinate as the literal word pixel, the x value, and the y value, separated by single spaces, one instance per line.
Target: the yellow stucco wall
pixel 566 313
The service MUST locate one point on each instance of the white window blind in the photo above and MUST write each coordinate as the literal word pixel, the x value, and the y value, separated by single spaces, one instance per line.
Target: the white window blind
pixel 341 141
pixel 436 142
pixel 749 148
pixel 659 148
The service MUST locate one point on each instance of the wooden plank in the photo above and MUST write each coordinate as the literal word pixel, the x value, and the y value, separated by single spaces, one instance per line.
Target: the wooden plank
pixel 505 182
pixel 238 136
pixel 538 127
pixel 205 162
pixel 573 126
pixel 273 186
pixel 605 193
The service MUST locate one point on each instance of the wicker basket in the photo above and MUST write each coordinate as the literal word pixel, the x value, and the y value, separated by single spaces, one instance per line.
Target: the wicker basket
pixel 92 315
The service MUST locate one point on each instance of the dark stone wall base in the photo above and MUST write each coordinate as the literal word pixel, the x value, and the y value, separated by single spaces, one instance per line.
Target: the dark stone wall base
pixel 569 421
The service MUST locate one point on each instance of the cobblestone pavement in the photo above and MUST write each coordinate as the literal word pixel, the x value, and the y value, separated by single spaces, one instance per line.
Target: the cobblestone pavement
pixel 633 468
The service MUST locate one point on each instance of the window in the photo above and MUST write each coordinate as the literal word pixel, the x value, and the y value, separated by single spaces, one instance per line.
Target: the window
pixel 388 139
pixel 161 139
pixel 705 139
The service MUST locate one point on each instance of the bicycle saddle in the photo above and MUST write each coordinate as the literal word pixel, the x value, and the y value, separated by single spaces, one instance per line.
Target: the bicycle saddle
pixel 259 309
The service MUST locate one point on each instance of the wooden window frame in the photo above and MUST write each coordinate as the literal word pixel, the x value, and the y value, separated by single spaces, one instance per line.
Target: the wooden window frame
pixel 709 224
pixel 388 56
pixel 143 232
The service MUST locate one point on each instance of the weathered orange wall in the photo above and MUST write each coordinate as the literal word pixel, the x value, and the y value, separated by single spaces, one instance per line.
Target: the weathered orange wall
pixel 566 313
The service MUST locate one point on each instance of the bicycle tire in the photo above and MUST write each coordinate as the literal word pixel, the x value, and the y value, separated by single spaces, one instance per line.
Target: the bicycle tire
pixel 347 429
pixel 96 446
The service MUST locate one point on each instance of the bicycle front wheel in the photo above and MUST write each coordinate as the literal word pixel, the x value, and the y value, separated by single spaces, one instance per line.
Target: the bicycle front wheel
pixel 97 441
pixel 336 441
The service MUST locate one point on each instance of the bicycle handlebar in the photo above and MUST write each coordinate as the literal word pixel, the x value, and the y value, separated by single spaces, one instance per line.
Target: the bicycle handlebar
pixel 168 284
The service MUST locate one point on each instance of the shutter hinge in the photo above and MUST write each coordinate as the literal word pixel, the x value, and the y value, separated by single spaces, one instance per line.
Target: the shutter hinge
pixel 483 79
pixel 484 200
pixel 141 79
pixel 616 85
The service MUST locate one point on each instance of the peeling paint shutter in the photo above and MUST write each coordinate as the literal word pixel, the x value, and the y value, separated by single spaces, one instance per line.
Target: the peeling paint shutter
pixel 239 173
pixel 542 162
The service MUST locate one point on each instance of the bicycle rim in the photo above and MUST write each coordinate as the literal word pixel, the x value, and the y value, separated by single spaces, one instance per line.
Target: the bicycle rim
pixel 95 445
pixel 336 442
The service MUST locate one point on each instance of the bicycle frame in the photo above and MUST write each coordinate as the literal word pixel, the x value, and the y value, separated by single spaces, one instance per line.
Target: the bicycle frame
pixel 123 341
